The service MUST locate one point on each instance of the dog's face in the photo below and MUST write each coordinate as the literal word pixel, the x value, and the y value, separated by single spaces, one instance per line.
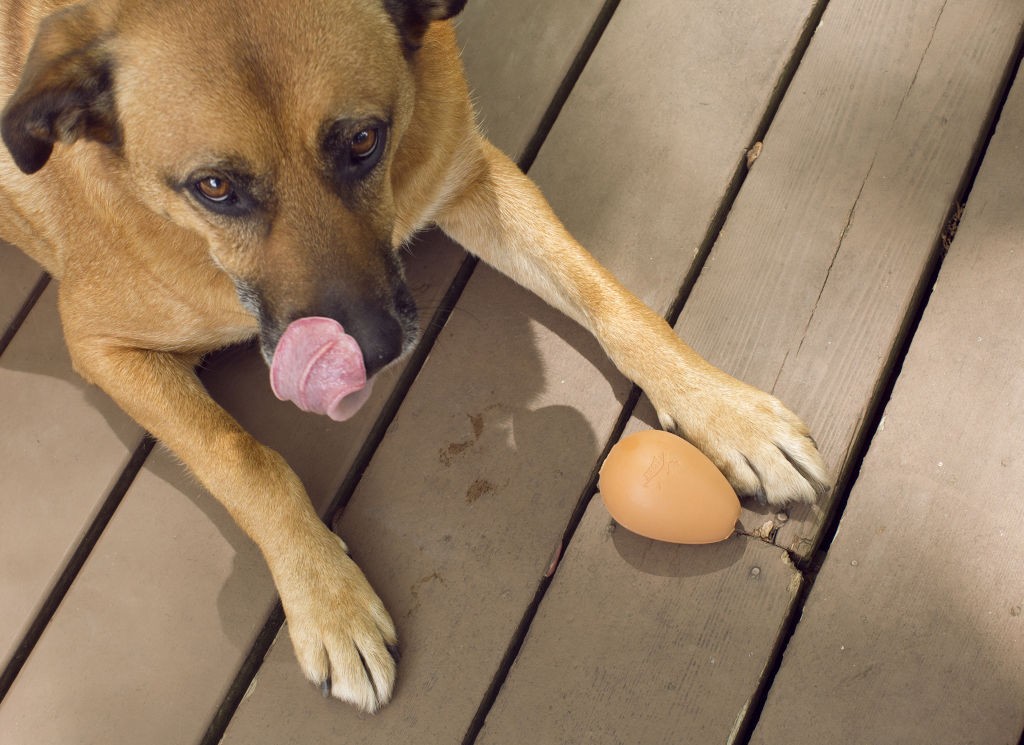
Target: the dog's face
pixel 275 141
pixel 269 127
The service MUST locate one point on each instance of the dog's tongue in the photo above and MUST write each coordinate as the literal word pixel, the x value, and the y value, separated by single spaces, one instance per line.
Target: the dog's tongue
pixel 320 368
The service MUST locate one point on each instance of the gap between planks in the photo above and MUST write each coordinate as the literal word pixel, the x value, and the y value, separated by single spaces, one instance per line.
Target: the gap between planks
pixel 675 310
pixel 77 559
pixel 894 366
pixel 809 568
pixel 743 168
pixel 22 313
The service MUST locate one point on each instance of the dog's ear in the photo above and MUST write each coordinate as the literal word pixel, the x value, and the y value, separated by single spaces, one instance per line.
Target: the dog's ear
pixel 413 16
pixel 65 93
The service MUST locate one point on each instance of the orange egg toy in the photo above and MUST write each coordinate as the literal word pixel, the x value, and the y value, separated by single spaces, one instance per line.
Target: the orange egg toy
pixel 662 487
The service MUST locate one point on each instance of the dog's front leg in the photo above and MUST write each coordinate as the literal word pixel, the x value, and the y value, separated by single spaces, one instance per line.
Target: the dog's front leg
pixel 339 628
pixel 763 448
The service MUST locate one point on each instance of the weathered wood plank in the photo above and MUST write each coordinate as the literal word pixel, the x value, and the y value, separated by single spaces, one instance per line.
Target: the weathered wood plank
pixel 916 616
pixel 166 661
pixel 62 446
pixel 643 153
pixel 517 54
pixel 808 288
pixel 18 275
pixel 149 635
pixel 458 515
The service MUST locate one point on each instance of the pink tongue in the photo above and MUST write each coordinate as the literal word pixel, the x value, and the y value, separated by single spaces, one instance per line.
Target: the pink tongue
pixel 320 368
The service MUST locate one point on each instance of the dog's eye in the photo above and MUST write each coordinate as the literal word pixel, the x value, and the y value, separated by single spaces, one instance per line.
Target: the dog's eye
pixel 215 189
pixel 353 149
pixel 364 144
pixel 235 194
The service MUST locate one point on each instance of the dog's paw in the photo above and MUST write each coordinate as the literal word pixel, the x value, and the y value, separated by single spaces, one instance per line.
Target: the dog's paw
pixel 344 639
pixel 764 450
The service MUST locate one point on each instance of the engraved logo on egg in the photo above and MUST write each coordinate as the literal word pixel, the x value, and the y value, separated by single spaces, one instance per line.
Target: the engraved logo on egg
pixel 658 470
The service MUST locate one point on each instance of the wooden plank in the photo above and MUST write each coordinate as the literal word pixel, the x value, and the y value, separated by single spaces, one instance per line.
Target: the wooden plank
pixel 18 275
pixel 841 215
pixel 149 635
pixel 517 54
pixel 639 641
pixel 457 517
pixel 162 686
pixel 62 446
pixel 638 179
pixel 913 632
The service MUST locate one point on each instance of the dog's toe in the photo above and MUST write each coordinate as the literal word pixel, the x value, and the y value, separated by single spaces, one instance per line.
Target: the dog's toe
pixel 362 674
pixel 775 476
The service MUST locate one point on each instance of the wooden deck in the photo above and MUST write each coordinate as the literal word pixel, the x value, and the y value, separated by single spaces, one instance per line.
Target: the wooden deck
pixel 132 610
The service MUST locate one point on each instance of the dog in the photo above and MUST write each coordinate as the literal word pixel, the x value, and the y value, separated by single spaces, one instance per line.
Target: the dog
pixel 197 174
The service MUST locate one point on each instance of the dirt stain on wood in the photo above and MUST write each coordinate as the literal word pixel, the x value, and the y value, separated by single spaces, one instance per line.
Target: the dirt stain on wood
pixel 448 453
pixel 414 591
pixel 477 489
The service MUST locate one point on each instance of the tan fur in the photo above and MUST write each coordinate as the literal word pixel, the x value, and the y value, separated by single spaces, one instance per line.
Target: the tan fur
pixel 148 280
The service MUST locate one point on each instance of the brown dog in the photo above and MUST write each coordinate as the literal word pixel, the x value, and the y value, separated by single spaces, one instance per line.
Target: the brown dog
pixel 210 171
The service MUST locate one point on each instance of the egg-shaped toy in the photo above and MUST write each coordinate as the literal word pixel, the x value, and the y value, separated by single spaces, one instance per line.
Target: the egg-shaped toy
pixel 660 486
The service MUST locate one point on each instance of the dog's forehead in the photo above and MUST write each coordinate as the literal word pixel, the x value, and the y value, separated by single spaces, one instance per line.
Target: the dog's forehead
pixel 287 64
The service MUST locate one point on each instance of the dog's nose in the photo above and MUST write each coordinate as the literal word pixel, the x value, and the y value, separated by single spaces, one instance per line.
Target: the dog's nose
pixel 379 334
pixel 382 332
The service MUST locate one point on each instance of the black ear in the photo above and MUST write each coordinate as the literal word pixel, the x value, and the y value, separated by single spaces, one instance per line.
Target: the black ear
pixel 413 16
pixel 66 91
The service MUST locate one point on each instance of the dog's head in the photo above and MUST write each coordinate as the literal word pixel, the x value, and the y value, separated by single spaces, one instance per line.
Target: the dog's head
pixel 268 126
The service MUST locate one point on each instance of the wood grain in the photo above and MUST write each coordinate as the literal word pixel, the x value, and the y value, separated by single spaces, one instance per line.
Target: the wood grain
pixel 808 289
pixel 916 615
pixel 517 54
pixel 644 152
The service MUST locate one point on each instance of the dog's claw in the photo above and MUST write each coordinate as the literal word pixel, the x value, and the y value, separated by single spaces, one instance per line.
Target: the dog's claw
pixel 395 652
pixel 325 688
